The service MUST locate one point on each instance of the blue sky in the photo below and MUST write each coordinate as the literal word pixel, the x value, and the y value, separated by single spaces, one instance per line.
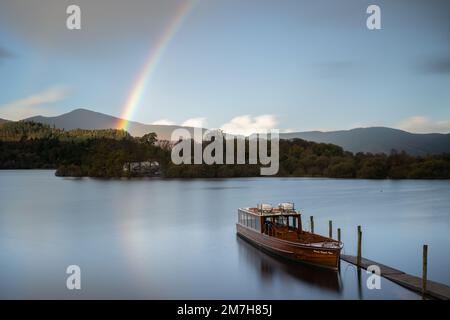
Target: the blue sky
pixel 293 65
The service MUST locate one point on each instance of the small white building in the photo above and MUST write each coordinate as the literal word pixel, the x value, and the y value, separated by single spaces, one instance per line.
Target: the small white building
pixel 142 168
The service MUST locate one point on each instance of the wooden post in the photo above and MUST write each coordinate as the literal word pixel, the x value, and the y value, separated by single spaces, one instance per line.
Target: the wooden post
pixel 339 234
pixel 312 224
pixel 358 257
pixel 330 229
pixel 424 268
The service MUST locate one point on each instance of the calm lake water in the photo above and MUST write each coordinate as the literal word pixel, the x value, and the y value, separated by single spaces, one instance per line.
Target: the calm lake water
pixel 175 239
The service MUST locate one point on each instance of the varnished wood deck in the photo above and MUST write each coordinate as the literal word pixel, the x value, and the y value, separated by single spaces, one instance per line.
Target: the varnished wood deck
pixel 434 289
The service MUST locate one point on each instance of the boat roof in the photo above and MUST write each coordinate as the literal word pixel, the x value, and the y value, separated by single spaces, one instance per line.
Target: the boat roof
pixel 272 212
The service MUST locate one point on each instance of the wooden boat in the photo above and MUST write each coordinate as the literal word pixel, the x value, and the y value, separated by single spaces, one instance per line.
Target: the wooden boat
pixel 279 231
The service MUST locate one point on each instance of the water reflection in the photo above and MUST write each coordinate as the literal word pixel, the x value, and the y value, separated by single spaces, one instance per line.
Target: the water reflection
pixel 268 265
pixel 126 236
pixel 359 283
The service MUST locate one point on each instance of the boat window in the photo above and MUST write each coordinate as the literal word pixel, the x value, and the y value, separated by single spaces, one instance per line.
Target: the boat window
pixel 292 222
pixel 244 218
pixel 249 220
pixel 257 223
pixel 281 221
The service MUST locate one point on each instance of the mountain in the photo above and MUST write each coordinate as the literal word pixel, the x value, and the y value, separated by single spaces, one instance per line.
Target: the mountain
pixel 373 139
pixel 3 120
pixel 87 119
pixel 379 140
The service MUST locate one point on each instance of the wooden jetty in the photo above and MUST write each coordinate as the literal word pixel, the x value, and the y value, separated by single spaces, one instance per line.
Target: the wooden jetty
pixel 433 289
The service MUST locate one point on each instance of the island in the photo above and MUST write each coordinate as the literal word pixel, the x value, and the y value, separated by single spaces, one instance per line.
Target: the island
pixel 112 153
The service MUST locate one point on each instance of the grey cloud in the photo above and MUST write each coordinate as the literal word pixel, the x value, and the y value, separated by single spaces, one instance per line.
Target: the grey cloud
pixel 112 22
pixel 5 53
pixel 439 65
pixel 104 22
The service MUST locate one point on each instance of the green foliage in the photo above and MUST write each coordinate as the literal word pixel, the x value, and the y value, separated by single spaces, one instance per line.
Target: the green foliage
pixel 299 158
pixel 22 130
pixel 102 153
pixel 95 153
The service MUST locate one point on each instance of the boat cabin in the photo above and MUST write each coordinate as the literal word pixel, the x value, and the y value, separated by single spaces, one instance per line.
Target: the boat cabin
pixel 283 222
pixel 279 230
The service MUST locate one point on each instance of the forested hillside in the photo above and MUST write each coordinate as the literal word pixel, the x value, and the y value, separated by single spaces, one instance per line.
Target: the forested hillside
pixel 102 153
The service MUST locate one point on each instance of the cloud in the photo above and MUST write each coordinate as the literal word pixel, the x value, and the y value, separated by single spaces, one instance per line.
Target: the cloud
pixel 5 53
pixel 195 122
pixel 438 65
pixel 242 125
pixel 289 130
pixel 164 122
pixel 43 22
pixel 420 124
pixel 34 104
pixel 246 125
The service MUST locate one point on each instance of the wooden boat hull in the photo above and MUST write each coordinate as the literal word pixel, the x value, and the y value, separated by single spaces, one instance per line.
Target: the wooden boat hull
pixel 318 256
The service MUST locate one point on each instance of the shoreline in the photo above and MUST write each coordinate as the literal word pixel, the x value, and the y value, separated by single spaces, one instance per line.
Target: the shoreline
pixel 222 178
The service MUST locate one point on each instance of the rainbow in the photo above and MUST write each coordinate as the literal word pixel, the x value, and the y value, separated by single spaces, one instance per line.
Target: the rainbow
pixel 138 89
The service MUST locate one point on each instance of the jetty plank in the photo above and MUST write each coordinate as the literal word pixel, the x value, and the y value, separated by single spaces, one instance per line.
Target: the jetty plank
pixel 434 289
pixel 385 270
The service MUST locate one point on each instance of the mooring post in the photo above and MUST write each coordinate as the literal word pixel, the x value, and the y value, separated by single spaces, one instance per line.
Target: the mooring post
pixel 424 268
pixel 339 234
pixel 330 229
pixel 358 258
pixel 312 224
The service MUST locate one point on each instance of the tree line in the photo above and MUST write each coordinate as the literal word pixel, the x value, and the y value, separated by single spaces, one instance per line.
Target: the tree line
pixel 102 153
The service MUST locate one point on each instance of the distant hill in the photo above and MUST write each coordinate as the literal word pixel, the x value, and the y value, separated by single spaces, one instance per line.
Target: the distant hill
pixel 3 120
pixel 379 140
pixel 373 139
pixel 86 119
